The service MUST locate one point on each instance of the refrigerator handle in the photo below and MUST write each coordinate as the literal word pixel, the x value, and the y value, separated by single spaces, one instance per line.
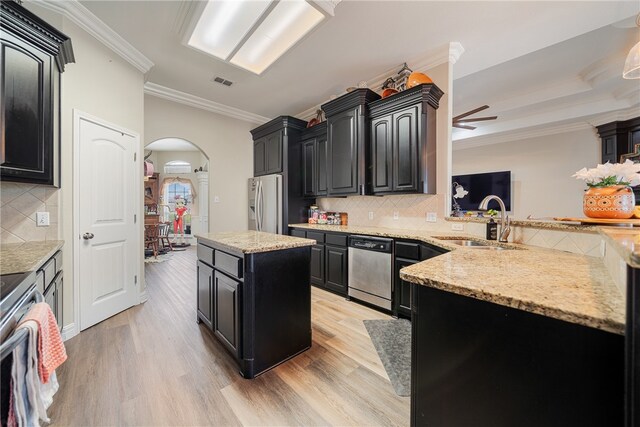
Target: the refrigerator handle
pixel 255 204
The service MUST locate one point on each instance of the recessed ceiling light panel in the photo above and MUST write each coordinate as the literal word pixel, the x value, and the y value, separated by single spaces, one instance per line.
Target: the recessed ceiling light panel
pixel 253 34
pixel 224 23
pixel 287 23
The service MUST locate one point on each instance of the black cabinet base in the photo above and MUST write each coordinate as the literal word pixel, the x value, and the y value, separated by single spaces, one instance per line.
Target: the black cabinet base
pixel 482 364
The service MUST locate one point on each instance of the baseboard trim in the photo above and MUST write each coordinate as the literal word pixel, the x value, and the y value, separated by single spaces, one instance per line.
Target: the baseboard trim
pixel 69 331
pixel 144 296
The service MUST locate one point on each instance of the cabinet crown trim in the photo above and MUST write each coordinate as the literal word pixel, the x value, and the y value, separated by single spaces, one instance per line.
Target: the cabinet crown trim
pixel 24 24
pixel 350 100
pixel 318 130
pixel 277 124
pixel 426 93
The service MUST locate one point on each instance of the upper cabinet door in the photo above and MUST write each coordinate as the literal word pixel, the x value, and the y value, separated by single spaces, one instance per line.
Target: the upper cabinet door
pixel 381 154
pixel 405 150
pixel 321 166
pixel 259 156
pixel 27 152
pixel 273 149
pixel 309 168
pixel 342 153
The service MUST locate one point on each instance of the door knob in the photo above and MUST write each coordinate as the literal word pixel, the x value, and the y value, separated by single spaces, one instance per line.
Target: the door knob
pixel 87 236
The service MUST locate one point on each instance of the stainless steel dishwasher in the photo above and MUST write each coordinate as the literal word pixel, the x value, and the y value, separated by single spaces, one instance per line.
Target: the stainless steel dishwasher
pixel 370 270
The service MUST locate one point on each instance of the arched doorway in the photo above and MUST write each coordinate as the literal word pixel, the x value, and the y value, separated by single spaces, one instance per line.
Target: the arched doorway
pixel 176 194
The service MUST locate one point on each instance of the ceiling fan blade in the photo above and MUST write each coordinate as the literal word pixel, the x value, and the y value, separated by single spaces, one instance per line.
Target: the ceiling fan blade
pixel 455 125
pixel 479 119
pixel 468 113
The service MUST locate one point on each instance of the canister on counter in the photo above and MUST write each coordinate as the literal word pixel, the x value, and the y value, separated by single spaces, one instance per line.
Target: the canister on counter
pixel 322 217
pixel 344 218
pixel 313 214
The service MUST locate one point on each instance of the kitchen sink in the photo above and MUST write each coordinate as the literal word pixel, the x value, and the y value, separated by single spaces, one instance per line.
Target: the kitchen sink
pixel 473 244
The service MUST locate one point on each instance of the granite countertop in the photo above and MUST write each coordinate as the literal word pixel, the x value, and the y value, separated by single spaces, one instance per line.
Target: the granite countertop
pixel 27 256
pixel 557 284
pixel 249 242
pixel 626 241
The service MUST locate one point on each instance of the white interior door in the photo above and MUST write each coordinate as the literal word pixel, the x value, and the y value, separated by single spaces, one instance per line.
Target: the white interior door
pixel 107 234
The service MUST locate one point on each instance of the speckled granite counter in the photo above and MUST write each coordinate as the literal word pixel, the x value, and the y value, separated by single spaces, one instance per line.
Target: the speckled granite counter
pixel 249 242
pixel 27 256
pixel 626 241
pixel 561 285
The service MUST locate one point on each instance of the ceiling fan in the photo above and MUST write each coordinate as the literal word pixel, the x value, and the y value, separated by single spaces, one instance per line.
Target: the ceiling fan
pixel 458 120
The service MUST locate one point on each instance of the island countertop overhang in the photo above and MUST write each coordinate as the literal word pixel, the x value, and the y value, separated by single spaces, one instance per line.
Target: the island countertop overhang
pixel 248 242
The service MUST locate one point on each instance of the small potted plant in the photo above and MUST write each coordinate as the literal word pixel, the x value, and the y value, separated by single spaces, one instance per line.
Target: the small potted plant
pixel 609 194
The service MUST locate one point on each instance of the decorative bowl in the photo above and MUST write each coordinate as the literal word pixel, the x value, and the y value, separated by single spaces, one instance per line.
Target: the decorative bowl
pixel 417 78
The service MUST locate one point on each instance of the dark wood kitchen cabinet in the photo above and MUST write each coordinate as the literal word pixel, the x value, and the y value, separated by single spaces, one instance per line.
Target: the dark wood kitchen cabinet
pixel 277 150
pixel 347 142
pixel 33 56
pixel 205 293
pixel 619 138
pixel 314 161
pixel 267 154
pixel 403 141
pixel 255 304
pixel 329 260
pixel 226 301
pixel 407 253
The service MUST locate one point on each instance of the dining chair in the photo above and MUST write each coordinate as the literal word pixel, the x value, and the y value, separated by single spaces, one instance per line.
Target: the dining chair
pixel 151 238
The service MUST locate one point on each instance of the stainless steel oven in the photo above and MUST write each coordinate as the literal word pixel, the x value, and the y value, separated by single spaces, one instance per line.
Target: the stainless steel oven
pixel 370 270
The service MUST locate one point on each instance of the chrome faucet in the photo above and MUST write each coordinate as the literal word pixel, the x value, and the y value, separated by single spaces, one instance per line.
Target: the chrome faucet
pixel 505 222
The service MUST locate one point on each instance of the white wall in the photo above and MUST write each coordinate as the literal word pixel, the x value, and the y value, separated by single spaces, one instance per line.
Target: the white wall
pixel 103 85
pixel 541 170
pixel 225 141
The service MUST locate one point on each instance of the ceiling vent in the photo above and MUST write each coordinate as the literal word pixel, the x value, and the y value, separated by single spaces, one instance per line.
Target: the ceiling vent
pixel 222 81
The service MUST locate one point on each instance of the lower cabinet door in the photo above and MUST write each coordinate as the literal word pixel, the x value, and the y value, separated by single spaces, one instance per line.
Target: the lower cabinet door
pixel 317 265
pixel 50 297
pixel 205 295
pixel 336 269
pixel 59 295
pixel 226 302
pixel 402 291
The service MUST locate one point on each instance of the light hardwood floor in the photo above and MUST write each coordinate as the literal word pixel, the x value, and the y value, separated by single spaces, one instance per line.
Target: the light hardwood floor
pixel 153 365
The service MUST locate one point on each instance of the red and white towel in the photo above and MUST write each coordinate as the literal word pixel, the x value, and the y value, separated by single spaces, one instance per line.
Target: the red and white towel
pixel 51 351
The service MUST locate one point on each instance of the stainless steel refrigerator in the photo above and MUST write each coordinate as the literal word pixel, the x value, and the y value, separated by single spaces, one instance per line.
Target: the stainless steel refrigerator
pixel 266 204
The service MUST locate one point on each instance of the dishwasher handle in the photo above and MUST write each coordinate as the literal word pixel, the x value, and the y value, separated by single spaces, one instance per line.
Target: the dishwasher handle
pixel 367 243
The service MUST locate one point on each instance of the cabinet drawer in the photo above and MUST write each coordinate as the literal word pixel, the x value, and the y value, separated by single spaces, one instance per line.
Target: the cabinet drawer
pixel 228 263
pixel 314 235
pixel 205 254
pixel 336 239
pixel 408 250
pixel 58 258
pixel 40 282
pixel 49 271
pixel 298 233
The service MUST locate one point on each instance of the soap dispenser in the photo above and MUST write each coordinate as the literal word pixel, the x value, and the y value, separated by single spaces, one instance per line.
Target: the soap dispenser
pixel 492 230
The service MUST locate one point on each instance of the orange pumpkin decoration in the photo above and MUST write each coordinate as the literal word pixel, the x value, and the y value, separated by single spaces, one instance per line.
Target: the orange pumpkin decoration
pixel 388 92
pixel 416 79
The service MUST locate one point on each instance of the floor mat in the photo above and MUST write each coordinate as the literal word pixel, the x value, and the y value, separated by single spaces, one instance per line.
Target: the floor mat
pixel 392 340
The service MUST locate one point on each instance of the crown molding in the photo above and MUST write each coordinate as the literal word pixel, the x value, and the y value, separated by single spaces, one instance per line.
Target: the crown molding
pixel 85 19
pixel 614 116
pixel 184 98
pixel 491 139
pixel 450 52
pixel 327 6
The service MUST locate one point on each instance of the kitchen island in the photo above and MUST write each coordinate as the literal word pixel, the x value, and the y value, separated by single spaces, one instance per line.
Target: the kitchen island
pixel 516 337
pixel 254 294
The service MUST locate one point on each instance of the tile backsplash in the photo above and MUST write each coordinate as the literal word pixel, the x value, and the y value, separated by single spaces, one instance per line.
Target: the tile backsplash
pixel 19 204
pixel 411 210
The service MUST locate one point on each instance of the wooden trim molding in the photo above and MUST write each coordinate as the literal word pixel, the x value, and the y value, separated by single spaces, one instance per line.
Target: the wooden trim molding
pixel 85 19
pixel 201 103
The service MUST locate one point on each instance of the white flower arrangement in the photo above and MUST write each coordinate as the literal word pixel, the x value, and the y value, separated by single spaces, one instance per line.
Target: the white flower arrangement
pixel 626 173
